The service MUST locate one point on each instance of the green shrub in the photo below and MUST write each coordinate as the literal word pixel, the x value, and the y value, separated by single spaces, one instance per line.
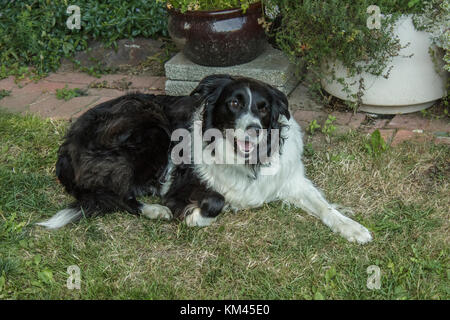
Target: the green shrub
pixel 436 21
pixel 316 32
pixel 34 32
pixel 204 5
pixel 400 6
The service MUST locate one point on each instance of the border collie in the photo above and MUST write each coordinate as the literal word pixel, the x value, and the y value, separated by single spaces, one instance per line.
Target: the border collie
pixel 142 144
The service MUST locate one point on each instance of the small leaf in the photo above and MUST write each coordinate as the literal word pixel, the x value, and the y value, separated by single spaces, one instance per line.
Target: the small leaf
pixel 46 276
pixel 318 296
pixel 37 259
pixel 330 274
pixel 2 282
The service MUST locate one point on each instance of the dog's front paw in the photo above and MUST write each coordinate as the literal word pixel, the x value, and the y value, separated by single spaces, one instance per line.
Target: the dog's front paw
pixel 353 231
pixel 194 218
pixel 156 211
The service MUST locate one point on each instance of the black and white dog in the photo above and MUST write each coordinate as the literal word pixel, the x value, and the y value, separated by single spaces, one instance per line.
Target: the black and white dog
pixel 125 148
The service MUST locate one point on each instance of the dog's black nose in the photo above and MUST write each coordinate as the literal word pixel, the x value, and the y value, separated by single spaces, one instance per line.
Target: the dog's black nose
pixel 253 130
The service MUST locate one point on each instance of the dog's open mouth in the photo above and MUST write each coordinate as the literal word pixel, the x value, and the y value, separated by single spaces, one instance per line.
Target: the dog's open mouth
pixel 245 147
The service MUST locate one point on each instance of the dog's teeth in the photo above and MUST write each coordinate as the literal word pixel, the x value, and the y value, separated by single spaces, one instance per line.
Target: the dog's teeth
pixel 245 146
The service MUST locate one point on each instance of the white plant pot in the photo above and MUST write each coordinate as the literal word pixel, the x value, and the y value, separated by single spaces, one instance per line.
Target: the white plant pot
pixel 413 83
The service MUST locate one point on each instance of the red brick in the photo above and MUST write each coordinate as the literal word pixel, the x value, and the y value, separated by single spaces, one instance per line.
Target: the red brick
pixel 439 125
pixel 404 135
pixel 19 101
pixel 356 120
pixel 342 118
pixel 147 82
pixel 303 125
pixel 342 130
pixel 86 108
pixel 148 91
pixel 72 107
pixel 442 140
pixel 137 82
pixel 408 121
pixel 308 116
pixel 7 83
pixel 379 123
pixel 110 93
pixel 387 134
pixel 46 86
pixel 110 78
pixel 71 77
pixel 45 105
pixel 159 84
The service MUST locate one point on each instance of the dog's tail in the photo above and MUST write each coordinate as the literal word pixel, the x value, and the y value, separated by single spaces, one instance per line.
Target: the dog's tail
pixel 63 217
pixel 90 204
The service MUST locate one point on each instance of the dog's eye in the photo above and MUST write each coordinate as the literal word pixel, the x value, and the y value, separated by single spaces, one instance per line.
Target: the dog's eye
pixel 234 103
pixel 263 108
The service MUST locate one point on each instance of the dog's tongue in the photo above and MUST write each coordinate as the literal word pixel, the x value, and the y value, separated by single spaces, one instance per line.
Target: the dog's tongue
pixel 245 146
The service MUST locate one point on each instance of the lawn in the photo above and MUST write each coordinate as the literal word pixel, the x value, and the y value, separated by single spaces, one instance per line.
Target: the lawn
pixel 274 252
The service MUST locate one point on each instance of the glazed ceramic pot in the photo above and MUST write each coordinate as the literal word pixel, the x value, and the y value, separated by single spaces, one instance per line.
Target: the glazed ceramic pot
pixel 218 38
pixel 413 84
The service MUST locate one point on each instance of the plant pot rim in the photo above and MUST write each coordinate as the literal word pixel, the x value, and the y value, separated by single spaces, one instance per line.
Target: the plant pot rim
pixel 213 13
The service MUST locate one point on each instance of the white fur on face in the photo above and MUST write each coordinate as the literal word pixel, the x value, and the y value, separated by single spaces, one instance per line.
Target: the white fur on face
pixel 248 118
pixel 250 97
pixel 246 141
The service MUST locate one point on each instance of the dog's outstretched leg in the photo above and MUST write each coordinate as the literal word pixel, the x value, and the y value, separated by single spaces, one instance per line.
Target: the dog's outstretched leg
pixel 303 194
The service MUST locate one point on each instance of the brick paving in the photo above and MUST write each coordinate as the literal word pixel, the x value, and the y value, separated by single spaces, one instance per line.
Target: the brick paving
pixel 407 127
pixel 40 98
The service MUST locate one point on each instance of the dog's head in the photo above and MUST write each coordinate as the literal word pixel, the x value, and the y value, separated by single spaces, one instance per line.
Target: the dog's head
pixel 246 111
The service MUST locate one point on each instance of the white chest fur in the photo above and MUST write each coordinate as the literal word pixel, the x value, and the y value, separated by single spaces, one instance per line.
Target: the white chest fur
pixel 241 189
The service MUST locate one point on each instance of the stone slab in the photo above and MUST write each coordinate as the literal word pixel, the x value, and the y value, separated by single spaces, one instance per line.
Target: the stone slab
pixel 272 67
pixel 181 88
pixel 300 99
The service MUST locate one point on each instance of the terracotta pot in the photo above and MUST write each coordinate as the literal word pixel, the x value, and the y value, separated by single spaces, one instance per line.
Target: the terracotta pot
pixel 219 38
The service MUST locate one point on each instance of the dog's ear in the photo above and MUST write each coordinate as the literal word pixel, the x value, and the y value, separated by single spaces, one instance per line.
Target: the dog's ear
pixel 280 104
pixel 210 87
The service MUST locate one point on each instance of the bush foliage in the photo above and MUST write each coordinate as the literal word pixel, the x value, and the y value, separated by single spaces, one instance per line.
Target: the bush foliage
pixel 318 32
pixel 34 32
pixel 206 5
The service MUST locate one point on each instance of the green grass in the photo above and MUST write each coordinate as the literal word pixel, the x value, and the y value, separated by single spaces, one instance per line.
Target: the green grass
pixel 4 93
pixel 67 94
pixel 273 252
